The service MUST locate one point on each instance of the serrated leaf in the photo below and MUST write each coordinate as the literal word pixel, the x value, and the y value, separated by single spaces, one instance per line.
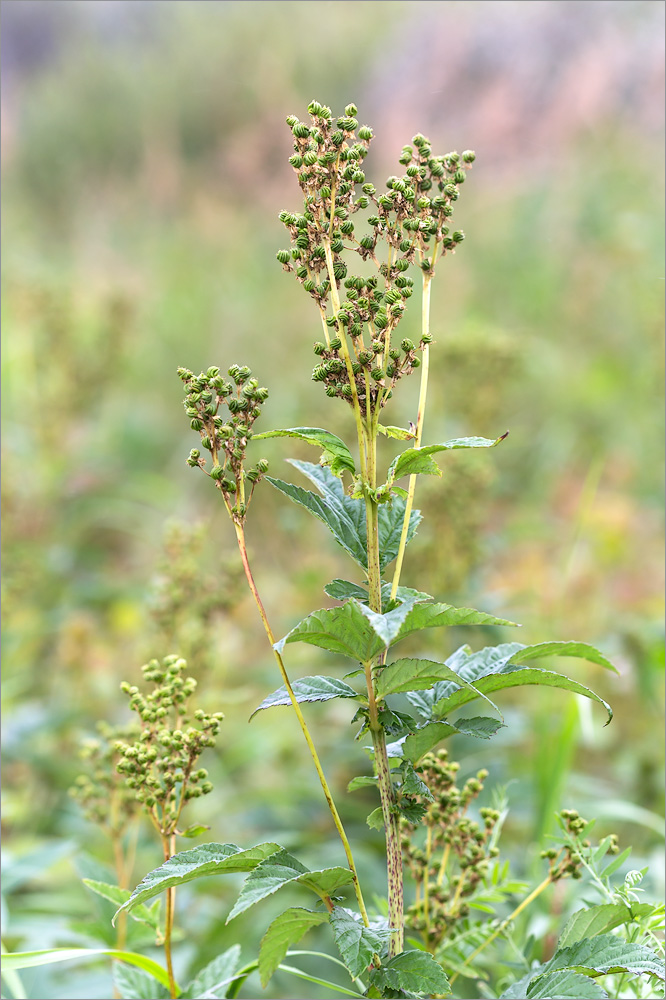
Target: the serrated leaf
pixel 577 650
pixel 335 452
pixel 481 726
pixel 400 433
pixel 343 630
pixel 305 689
pixel 285 931
pixel 281 869
pixel 215 978
pixel 593 920
pixel 342 590
pixel 413 784
pixel 413 971
pixel 375 819
pixel 133 984
pixel 423 740
pixel 115 894
pixel 207 859
pixel 413 674
pixel 563 985
pixel 513 676
pixel 439 615
pixel 607 953
pixel 30 959
pixel 345 516
pixel 387 626
pixel 356 943
pixel 418 460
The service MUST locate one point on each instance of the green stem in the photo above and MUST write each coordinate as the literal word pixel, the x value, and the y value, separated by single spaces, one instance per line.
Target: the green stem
pixel 240 534
pixel 505 923
pixel 423 392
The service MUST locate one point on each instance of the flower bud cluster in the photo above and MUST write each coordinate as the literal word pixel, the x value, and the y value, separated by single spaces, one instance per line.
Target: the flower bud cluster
pixel 225 436
pixel 457 853
pixel 411 221
pixel 160 765
pixel 567 861
pixel 102 792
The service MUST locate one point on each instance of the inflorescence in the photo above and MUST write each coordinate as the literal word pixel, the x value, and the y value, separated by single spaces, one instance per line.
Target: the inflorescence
pixel 225 437
pixel 160 765
pixel 410 220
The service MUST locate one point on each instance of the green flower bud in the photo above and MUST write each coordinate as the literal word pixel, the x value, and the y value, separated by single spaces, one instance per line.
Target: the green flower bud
pixel 315 108
pixel 377 374
pixel 184 374
pixel 337 138
pixel 262 466
pixel 296 160
pixel 369 189
pixel 458 236
pixel 407 345
pixel 415 363
pixel 309 285
pixel 319 374
pixel 217 472
pixel 319 348
pixel 337 246
pixel 302 272
pixel 331 391
pixel 365 133
pixel 335 344
pixel 196 425
pixel 468 156
pixel 283 256
pixel 367 242
pixel 346 391
pixel 401 264
pixel 362 202
pixel 339 270
pixel 301 130
pixel 347 227
pixel 292 120
pixel 405 245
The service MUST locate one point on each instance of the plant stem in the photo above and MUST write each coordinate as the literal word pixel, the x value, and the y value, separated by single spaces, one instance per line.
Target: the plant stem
pixel 169 846
pixel 505 923
pixel 386 794
pixel 423 392
pixel 240 534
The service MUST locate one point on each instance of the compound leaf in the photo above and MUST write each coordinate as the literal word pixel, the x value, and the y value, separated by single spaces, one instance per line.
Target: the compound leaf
pixel 606 953
pixel 416 460
pixel 143 914
pixel 281 869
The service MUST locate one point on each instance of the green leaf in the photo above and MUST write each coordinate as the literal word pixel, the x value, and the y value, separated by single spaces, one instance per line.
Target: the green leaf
pixel 413 784
pixel 356 943
pixel 416 460
pixel 412 675
pixel 342 590
pixel 375 819
pixel 413 971
pixel 362 781
pixel 335 452
pixel 285 930
pixel 592 921
pixel 30 959
pixel 310 689
pixel 215 978
pixel 438 615
pixel 615 863
pixel 116 895
pixel 343 630
pixel 193 831
pixel 207 859
pixel 345 516
pixel 607 953
pixel 318 982
pixel 423 740
pixel 579 650
pixel 387 626
pixel 401 433
pixel 481 726
pixel 281 869
pixel 566 984
pixel 133 984
pixel 516 677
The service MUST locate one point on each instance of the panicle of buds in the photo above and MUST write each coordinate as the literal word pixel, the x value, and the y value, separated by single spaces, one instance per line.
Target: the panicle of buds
pixel 101 791
pixel 160 765
pixel 457 853
pixel 409 224
pixel 567 860
pixel 224 412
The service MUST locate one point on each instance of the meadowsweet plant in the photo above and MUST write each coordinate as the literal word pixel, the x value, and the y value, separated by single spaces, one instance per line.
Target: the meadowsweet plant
pixel 364 255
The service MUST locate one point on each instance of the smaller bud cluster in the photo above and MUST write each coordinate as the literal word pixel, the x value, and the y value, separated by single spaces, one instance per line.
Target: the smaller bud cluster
pixel 102 793
pixel 160 765
pixel 567 861
pixel 225 436
pixel 457 852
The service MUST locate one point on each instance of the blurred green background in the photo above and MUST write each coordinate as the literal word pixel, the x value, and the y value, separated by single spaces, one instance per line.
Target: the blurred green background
pixel 145 162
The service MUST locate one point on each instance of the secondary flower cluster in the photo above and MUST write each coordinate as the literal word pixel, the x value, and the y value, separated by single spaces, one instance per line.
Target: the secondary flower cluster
pixel 567 861
pixel 225 437
pixel 411 222
pixel 159 766
pixel 457 851
pixel 102 793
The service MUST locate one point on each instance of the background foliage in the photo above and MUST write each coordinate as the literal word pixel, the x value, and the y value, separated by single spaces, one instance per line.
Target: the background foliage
pixel 145 163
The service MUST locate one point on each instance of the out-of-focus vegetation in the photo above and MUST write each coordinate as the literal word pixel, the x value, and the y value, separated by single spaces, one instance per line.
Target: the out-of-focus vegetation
pixel 136 239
